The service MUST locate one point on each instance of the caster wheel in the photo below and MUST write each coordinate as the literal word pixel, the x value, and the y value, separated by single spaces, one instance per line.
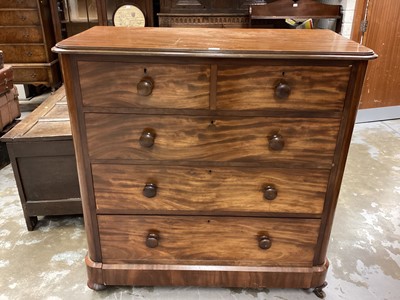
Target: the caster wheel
pixel 319 292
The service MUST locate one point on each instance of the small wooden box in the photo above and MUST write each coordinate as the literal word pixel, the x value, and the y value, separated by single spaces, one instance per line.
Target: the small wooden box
pixel 43 159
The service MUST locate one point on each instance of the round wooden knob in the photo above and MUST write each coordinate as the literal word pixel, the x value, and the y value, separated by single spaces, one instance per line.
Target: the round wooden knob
pixel 147 138
pixel 152 240
pixel 276 142
pixel 150 190
pixel 145 86
pixel 270 192
pixel 282 90
pixel 264 242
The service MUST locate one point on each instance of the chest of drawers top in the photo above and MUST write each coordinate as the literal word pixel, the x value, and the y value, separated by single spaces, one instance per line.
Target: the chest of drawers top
pixel 213 43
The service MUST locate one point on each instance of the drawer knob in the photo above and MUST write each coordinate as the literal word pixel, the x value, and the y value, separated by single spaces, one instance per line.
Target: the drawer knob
pixel 264 242
pixel 145 86
pixel 147 138
pixel 270 192
pixel 152 240
pixel 282 90
pixel 276 142
pixel 150 190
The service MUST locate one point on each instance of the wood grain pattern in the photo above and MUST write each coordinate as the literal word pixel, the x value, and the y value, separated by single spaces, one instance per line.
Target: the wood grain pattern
pixel 187 240
pixel 229 139
pixel 212 42
pixel 19 17
pixel 24 53
pixel 17 34
pixel 113 84
pixel 18 4
pixel 214 276
pixel 118 189
pixel 253 87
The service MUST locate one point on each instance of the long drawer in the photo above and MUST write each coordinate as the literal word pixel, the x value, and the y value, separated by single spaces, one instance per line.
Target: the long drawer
pixel 17 34
pixel 170 189
pixel 115 84
pixel 284 88
pixel 226 139
pixel 19 17
pixel 207 240
pixel 26 53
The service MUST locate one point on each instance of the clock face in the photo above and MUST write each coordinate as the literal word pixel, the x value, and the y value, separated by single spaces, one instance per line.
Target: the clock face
pixel 128 16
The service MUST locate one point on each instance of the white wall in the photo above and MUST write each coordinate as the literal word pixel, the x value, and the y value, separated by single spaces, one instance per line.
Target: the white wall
pixel 348 14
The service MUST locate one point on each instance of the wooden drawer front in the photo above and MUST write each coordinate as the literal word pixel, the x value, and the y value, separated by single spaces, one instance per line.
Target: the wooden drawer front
pixel 21 35
pixel 208 240
pixel 40 74
pixel 18 4
pixel 253 87
pixel 113 84
pixel 19 17
pixel 120 188
pixel 229 139
pixel 24 53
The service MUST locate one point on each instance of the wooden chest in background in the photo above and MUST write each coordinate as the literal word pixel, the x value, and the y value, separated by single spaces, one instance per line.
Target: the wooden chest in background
pixel 26 38
pixel 43 160
pixel 210 157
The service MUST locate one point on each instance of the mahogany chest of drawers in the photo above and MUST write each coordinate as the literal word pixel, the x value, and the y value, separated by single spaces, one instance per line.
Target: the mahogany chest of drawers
pixel 210 157
pixel 26 38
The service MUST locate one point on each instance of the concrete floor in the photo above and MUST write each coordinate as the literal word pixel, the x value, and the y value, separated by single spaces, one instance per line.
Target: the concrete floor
pixel 364 250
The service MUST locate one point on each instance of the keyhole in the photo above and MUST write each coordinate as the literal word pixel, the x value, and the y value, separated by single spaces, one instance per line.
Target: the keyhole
pixel 283 74
pixel 145 71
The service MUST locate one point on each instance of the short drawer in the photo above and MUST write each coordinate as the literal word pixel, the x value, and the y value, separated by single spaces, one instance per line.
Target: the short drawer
pixel 19 17
pixel 118 84
pixel 24 53
pixel 208 240
pixel 170 189
pixel 282 88
pixel 32 34
pixel 18 4
pixel 227 139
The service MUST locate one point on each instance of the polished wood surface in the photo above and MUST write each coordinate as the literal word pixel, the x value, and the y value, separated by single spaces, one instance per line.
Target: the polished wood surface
pixel 20 35
pixel 254 87
pixel 175 86
pixel 24 53
pixel 118 189
pixel 215 42
pixel 228 139
pixel 214 276
pixel 232 192
pixel 187 240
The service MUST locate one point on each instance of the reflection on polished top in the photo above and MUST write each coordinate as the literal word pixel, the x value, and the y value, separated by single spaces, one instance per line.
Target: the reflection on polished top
pixel 207 42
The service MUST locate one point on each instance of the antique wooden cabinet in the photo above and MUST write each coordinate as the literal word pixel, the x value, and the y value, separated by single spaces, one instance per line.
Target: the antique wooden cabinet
pixel 43 160
pixel 206 13
pixel 210 157
pixel 26 38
